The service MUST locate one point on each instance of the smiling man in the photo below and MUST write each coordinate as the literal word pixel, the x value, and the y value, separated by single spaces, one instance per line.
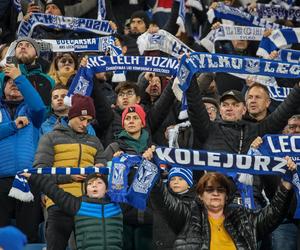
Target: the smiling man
pixel 68 146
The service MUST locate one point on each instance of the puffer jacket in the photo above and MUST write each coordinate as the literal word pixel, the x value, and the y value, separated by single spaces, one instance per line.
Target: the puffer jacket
pixel 98 222
pixel 43 83
pixel 246 227
pixel 63 147
pixel 235 137
pixel 19 145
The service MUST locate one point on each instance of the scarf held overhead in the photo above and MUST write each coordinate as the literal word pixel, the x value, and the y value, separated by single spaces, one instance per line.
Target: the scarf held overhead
pixel 204 62
pixel 65 23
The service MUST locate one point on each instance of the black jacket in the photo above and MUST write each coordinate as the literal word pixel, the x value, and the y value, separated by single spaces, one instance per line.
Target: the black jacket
pixel 164 230
pixel 245 226
pixel 235 137
pixel 110 120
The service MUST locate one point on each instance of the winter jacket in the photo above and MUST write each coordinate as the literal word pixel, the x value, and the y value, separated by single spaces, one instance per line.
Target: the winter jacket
pixel 246 227
pixel 98 222
pixel 164 230
pixel 132 216
pixel 235 137
pixel 19 145
pixel 63 147
pixel 40 81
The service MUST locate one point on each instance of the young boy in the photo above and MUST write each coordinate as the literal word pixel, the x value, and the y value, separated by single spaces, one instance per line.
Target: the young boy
pixel 180 182
pixel 98 221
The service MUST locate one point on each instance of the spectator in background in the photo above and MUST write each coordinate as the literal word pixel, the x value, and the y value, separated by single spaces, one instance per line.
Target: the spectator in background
pixel 22 112
pixel 56 8
pixel 26 53
pixel 63 67
pixel 59 110
pixel 293 126
pixel 257 102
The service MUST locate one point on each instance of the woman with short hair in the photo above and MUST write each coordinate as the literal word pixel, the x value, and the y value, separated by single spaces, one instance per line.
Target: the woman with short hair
pixel 212 222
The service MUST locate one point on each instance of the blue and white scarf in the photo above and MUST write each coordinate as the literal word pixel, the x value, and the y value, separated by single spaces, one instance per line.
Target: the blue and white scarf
pixel 204 62
pixel 84 77
pixel 99 44
pixel 281 146
pixel 21 190
pixel 278 12
pixel 162 41
pixel 279 93
pixel 181 16
pixel 289 55
pixel 277 40
pixel 17 5
pixel 119 75
pixel 65 23
pixel 284 3
pixel 144 179
pixel 143 182
pixel 227 163
pixel 101 10
pixel 229 32
pixel 221 162
pixel 229 13
pixel 118 180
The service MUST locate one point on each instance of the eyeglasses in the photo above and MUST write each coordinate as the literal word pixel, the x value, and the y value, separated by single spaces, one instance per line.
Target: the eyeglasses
pixel 219 190
pixel 213 109
pixel 65 60
pixel 128 93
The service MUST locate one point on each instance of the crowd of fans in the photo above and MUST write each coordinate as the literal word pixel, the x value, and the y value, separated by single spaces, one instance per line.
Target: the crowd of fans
pixel 186 209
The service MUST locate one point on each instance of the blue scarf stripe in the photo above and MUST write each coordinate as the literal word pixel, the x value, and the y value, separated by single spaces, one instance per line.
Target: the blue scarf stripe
pixel 233 14
pixel 278 12
pixel 205 62
pixel 61 22
pixel 278 39
pixel 289 55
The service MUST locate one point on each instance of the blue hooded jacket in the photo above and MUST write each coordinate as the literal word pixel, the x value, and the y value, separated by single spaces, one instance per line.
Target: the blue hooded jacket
pixel 18 146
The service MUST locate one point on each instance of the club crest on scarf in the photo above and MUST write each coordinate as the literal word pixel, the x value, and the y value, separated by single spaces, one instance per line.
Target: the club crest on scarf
pixel 145 176
pixel 118 176
pixel 252 65
pixel 82 86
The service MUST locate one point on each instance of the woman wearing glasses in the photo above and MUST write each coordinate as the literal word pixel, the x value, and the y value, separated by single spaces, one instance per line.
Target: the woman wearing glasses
pixel 63 67
pixel 212 222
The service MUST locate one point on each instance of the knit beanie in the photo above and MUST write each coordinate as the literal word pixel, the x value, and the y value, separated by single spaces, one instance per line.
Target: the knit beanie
pixel 12 238
pixel 137 109
pixel 59 5
pixel 81 105
pixel 185 173
pixel 33 43
pixel 141 14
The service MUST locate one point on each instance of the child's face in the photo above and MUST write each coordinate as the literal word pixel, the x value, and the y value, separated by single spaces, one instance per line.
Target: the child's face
pixel 96 188
pixel 178 184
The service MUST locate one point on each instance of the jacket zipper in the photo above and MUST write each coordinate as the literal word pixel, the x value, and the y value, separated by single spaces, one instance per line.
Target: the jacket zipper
pixel 78 165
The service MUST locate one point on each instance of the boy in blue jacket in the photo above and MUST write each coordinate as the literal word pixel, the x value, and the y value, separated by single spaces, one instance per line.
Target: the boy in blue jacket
pixel 98 221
